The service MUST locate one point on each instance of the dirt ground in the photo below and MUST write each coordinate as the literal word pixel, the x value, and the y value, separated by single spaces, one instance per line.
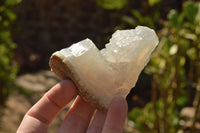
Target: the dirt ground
pixel 18 104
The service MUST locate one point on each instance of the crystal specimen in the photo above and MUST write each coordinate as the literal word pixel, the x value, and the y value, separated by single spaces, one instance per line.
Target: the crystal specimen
pixel 111 72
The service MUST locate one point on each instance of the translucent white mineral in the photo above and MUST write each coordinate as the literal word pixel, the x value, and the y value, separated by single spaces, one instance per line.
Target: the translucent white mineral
pixel 114 70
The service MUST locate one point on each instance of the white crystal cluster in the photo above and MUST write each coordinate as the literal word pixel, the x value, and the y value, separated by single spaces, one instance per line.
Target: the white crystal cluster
pixel 114 70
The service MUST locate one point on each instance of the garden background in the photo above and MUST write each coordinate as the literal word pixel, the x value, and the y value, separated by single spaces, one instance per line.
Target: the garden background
pixel 166 98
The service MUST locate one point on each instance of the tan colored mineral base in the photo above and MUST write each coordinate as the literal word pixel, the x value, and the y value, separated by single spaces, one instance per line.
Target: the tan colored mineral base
pixel 65 71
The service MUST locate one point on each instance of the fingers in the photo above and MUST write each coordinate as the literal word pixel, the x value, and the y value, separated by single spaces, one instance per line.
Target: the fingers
pixel 80 114
pixel 78 117
pixel 32 125
pixel 116 116
pixel 114 121
pixel 97 123
pixel 44 111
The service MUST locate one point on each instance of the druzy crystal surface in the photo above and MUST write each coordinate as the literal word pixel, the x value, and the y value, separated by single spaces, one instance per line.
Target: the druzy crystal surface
pixel 114 70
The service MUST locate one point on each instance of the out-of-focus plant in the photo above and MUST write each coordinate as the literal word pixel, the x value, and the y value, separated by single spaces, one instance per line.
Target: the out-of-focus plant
pixel 8 69
pixel 112 4
pixel 176 70
pixel 146 12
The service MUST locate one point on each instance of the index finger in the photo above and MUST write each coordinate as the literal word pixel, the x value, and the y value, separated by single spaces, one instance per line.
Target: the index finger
pixel 44 111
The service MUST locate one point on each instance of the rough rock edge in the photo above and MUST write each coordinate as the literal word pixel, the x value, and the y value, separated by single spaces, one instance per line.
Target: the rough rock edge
pixel 66 71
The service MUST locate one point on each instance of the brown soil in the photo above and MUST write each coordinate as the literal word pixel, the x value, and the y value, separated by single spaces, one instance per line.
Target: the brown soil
pixel 18 104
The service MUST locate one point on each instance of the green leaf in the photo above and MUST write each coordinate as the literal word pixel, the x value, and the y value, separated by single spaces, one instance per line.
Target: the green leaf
pixel 10 15
pixel 182 100
pixel 173 18
pixel 157 64
pixel 197 29
pixel 190 11
pixel 135 114
pixel 4 34
pixel 5 23
pixel 192 53
pixel 112 4
pixel 153 2
pixel 137 14
pixel 197 19
pixel 12 2
pixel 182 61
pixel 128 20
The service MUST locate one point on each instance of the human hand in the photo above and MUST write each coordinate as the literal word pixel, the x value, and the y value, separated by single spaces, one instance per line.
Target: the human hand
pixel 77 119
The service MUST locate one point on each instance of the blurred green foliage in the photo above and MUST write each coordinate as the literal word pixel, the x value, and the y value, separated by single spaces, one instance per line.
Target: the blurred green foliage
pixel 153 2
pixel 149 16
pixel 8 69
pixel 112 4
pixel 174 66
pixel 147 12
pixel 175 71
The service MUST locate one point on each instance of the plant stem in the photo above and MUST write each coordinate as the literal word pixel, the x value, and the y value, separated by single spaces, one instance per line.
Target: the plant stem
pixel 196 107
pixel 164 121
pixel 196 102
pixel 154 98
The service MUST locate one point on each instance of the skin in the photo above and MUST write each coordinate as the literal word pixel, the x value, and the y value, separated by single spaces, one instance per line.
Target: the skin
pixel 78 118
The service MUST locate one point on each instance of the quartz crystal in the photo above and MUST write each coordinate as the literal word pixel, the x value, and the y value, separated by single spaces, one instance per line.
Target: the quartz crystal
pixel 114 70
